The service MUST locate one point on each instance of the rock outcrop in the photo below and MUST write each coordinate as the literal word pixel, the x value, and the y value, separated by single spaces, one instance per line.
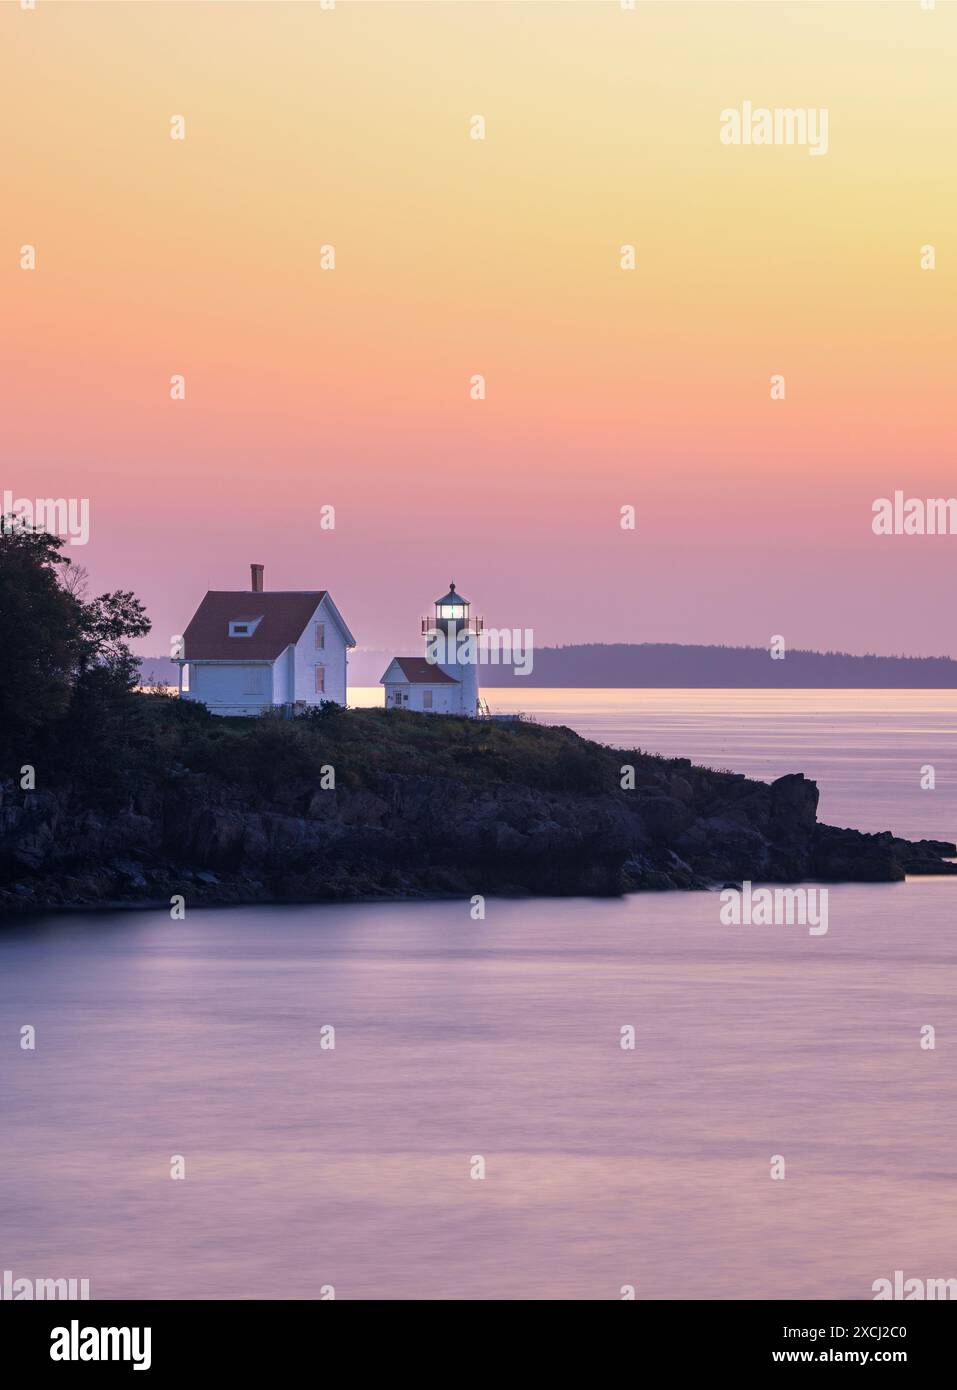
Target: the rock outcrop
pixel 410 834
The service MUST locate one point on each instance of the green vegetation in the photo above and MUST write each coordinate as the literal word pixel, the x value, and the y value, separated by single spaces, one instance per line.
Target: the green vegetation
pixel 270 757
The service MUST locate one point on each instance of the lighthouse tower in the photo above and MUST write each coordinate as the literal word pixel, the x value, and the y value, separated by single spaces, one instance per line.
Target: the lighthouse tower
pixel 451 617
pixel 439 683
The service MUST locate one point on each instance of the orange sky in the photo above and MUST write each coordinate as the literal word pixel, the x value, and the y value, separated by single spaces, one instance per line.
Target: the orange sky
pixel 308 127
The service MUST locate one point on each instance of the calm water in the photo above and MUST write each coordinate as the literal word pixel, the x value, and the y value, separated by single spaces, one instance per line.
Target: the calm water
pixel 454 1038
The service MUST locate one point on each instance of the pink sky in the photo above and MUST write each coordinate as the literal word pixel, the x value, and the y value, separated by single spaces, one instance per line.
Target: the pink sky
pixel 605 387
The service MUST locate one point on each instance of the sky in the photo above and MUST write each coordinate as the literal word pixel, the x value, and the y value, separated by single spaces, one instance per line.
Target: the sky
pixel 351 387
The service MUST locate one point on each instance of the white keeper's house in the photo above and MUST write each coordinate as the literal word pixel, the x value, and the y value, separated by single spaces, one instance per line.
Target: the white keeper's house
pixel 414 682
pixel 247 650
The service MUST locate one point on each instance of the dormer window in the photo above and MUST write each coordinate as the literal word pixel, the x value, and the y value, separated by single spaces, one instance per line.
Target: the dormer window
pixel 243 627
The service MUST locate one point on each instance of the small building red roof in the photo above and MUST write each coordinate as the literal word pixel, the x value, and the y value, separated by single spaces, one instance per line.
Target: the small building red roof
pixel 418 671
pixel 283 616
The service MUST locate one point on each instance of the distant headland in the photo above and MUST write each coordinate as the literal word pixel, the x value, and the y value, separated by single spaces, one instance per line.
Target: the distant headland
pixel 673 665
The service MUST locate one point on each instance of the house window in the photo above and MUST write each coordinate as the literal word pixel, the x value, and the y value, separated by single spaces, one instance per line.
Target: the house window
pixel 320 636
pixel 426 699
pixel 254 681
pixel 320 679
pixel 243 627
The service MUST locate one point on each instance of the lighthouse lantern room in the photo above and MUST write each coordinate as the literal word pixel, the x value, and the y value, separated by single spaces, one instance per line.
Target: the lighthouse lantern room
pixel 451 616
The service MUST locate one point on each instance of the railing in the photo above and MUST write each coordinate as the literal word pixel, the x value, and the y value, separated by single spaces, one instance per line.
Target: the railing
pixel 475 625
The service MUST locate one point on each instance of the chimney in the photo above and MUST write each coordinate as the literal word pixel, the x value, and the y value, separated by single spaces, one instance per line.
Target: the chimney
pixel 257 577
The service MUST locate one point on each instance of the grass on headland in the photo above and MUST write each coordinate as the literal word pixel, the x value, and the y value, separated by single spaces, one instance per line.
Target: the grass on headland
pixel 162 737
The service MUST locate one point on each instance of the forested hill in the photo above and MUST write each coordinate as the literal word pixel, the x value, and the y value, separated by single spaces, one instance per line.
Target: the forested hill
pixel 668 664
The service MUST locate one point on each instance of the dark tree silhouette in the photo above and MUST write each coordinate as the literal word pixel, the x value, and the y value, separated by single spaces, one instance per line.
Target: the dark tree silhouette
pixel 64 660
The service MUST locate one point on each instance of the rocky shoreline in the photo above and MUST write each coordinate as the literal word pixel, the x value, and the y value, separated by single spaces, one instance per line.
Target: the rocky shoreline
pixel 384 833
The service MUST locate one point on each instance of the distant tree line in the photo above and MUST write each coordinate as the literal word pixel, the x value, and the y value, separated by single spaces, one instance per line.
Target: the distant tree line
pixel 666 664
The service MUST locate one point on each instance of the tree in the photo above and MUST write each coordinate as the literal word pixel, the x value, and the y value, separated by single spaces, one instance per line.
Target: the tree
pixel 105 622
pixel 40 633
pixel 62 655
pixel 75 579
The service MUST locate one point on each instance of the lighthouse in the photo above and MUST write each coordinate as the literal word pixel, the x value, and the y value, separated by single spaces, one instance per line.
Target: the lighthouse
pixel 450 619
pixel 444 680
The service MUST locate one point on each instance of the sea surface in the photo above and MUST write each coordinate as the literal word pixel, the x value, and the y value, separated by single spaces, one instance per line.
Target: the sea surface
pixel 464 1044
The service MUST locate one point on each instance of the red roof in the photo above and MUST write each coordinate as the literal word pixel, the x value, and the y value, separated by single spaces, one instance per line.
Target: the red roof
pixel 418 671
pixel 283 618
